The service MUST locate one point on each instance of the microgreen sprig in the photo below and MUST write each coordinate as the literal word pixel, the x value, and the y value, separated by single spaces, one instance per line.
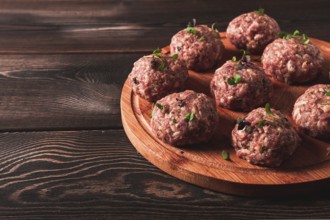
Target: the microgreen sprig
pixel 268 110
pixel 225 155
pixel 190 27
pixel 234 80
pixel 161 65
pixel 260 11
pixel 189 116
pixel 296 33
pixel 160 106
pixel 263 123
pixel 192 30
pixel 214 30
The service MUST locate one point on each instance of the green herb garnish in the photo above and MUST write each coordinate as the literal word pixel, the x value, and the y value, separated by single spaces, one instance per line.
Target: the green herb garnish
pixel 157 51
pixel 189 116
pixel 213 27
pixel 175 56
pixel 234 80
pixel 306 42
pixel 327 93
pixel 262 123
pixel 304 37
pixel 160 64
pixel 214 30
pixel 288 36
pixel 233 59
pixel 281 34
pixel 160 106
pixel 239 120
pixel 296 33
pixel 135 81
pixel 201 38
pixel 260 11
pixel 268 110
pixel 191 30
pixel 175 121
pixel 245 52
pixel 225 155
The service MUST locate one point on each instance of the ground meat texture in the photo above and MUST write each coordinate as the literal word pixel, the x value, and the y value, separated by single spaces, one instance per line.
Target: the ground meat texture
pixel 264 139
pixel 150 82
pixel 252 31
pixel 311 112
pixel 184 118
pixel 291 61
pixel 253 90
pixel 201 50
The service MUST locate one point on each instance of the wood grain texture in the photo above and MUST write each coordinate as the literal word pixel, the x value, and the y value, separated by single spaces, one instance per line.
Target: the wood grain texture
pixel 203 165
pixel 99 175
pixel 62 67
pixel 54 92
pixel 140 26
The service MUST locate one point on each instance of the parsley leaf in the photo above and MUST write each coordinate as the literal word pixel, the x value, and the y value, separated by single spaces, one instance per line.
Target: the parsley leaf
pixel 157 51
pixel 245 52
pixel 327 93
pixel 268 110
pixel 191 30
pixel 175 56
pixel 213 27
pixel 288 36
pixel 233 59
pixel 160 63
pixel 234 80
pixel 189 116
pixel 296 33
pixel 214 30
pixel 160 106
pixel 262 123
pixel 175 121
pixel 281 34
pixel 162 66
pixel 225 155
pixel 306 42
pixel 260 11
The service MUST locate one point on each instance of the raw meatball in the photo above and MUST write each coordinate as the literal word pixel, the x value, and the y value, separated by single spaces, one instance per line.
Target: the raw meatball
pixel 184 118
pixel 200 47
pixel 253 89
pixel 152 78
pixel 292 61
pixel 252 31
pixel 264 138
pixel 311 111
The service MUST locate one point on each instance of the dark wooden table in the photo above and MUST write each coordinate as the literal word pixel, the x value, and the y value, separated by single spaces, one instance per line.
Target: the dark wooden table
pixel 63 151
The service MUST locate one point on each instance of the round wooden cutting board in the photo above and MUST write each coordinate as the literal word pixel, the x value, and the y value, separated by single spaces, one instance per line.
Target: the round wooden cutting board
pixel 307 171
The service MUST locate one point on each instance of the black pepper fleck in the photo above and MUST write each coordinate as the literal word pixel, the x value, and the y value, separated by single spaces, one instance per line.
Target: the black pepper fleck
pixel 242 124
pixel 154 63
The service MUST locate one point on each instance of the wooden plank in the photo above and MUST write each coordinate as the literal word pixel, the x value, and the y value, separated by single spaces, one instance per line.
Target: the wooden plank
pixel 112 26
pixel 99 175
pixel 62 91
